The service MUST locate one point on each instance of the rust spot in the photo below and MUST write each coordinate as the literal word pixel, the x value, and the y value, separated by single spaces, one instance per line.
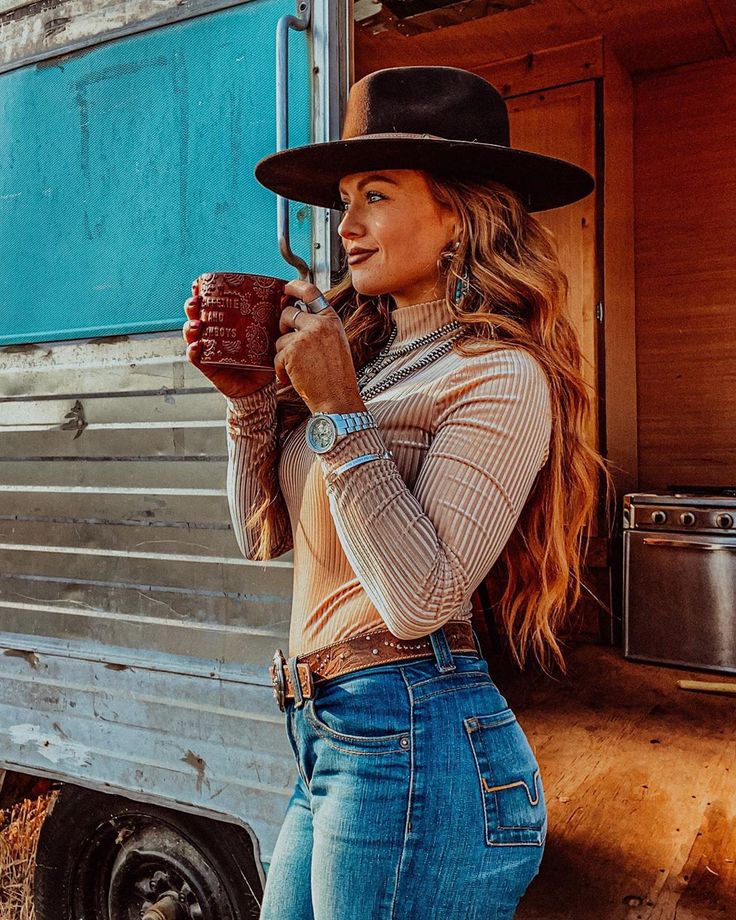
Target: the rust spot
pixel 57 728
pixel 52 26
pixel 29 11
pixel 76 421
pixel 199 765
pixel 30 657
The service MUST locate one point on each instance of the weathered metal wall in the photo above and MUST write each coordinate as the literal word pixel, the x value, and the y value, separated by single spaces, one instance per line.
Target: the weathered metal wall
pixel 134 637
pixel 33 31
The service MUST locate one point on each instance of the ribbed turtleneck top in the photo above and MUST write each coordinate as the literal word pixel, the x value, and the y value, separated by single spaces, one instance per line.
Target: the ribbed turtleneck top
pixel 402 542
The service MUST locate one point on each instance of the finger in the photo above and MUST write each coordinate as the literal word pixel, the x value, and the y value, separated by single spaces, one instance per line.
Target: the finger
pixel 192 307
pixel 283 341
pixel 289 318
pixel 280 369
pixel 302 289
pixel 194 352
pixel 192 330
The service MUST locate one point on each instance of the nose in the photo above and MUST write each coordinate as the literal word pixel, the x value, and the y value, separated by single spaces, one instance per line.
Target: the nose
pixel 346 226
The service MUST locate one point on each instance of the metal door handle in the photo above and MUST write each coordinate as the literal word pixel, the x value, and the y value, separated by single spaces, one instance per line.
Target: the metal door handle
pixel 695 544
pixel 300 23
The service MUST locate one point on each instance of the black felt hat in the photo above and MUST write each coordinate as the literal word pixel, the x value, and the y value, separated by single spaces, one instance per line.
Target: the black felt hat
pixel 445 120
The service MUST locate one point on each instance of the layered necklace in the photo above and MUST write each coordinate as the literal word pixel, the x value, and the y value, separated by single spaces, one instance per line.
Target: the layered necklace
pixel 386 357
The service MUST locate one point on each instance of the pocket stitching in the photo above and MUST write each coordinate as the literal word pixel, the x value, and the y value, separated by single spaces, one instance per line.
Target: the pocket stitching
pixel 428 696
pixel 325 731
pixel 501 718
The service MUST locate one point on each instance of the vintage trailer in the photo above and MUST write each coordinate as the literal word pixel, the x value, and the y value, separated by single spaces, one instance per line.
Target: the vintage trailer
pixel 134 636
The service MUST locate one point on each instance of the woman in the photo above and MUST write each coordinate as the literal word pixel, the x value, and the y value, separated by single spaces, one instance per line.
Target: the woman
pixel 456 446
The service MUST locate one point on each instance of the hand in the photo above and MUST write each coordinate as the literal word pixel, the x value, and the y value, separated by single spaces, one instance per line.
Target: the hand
pixel 232 382
pixel 314 354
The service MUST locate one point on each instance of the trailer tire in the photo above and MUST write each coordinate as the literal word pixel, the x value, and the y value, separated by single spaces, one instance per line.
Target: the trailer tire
pixel 105 857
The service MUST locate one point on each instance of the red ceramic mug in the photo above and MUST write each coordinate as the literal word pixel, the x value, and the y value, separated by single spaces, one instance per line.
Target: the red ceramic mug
pixel 240 318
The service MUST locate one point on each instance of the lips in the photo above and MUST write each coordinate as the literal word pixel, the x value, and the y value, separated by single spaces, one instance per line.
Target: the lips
pixel 360 256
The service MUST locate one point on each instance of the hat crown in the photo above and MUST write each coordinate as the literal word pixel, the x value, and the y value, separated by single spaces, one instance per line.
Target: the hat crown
pixel 445 102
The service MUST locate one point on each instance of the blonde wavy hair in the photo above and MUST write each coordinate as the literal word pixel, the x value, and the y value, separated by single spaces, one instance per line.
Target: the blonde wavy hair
pixel 517 299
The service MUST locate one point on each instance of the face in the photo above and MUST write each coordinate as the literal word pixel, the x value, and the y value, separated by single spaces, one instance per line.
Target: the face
pixel 395 216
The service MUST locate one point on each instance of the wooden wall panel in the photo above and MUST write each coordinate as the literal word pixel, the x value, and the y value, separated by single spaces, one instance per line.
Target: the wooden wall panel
pixel 646 35
pixel 561 123
pixel 618 394
pixel 685 193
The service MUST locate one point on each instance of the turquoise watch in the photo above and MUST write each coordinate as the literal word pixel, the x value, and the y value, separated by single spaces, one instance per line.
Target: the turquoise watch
pixel 325 428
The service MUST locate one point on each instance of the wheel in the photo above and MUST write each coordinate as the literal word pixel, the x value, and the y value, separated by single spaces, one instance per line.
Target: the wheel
pixel 104 857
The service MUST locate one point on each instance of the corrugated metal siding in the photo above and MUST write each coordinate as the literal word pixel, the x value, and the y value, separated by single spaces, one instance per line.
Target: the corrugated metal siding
pixel 136 638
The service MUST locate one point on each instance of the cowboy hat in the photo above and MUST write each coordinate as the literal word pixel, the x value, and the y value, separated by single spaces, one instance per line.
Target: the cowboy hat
pixel 445 120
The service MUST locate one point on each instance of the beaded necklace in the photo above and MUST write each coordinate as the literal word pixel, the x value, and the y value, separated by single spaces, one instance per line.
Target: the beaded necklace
pixel 386 356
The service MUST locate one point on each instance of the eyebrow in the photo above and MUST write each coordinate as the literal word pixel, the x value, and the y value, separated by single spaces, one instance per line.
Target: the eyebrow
pixel 374 177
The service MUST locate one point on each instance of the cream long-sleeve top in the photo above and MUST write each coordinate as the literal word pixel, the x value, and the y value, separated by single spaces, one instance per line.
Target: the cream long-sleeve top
pixel 401 542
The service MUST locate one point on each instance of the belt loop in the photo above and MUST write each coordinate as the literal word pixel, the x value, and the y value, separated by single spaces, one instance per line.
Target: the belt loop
pixel 442 652
pixel 294 674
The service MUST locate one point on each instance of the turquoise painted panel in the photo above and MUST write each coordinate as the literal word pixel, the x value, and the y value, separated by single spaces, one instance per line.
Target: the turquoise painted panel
pixel 127 170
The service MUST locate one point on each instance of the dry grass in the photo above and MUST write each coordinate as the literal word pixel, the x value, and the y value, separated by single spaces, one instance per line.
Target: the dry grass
pixel 19 829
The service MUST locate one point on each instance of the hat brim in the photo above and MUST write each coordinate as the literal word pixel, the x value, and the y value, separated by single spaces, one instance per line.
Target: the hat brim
pixel 311 173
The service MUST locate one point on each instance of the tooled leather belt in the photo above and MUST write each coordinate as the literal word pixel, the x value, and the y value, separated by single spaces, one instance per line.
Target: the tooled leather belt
pixel 379 646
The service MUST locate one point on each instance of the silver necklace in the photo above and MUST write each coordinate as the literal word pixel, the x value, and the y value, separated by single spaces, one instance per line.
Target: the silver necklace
pixel 377 388
pixel 385 357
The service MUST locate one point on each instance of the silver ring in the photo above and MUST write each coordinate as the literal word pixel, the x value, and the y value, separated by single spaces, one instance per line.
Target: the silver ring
pixel 321 300
pixel 293 318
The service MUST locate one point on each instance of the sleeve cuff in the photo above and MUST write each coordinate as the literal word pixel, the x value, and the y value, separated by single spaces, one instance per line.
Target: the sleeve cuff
pixel 256 411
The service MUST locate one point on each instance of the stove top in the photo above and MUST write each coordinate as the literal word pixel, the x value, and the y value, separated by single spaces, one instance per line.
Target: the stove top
pixel 703 509
pixel 729 491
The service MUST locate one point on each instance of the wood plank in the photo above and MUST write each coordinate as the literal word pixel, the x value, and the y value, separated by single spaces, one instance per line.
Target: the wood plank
pixel 619 296
pixel 655 35
pixel 685 181
pixel 548 68
pixel 561 122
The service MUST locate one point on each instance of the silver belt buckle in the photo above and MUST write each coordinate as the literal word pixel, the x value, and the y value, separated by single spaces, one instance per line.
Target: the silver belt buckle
pixel 278 680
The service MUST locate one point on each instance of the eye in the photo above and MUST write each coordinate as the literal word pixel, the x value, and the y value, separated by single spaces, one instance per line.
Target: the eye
pixel 346 205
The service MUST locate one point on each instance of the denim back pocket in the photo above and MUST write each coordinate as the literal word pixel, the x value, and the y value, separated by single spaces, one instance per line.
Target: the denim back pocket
pixel 514 808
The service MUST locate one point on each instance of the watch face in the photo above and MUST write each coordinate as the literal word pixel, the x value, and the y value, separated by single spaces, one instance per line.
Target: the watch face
pixel 322 433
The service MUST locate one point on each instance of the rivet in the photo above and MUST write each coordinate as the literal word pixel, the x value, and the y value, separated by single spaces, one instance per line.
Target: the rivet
pixel 375 651
pixel 404 742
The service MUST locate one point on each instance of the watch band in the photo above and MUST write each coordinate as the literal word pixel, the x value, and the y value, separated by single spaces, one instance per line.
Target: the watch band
pixel 347 422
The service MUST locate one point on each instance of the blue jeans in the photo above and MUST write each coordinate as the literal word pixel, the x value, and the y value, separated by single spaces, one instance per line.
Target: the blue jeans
pixel 418 798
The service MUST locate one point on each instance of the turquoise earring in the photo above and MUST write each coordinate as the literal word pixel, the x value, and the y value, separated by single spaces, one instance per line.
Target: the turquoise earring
pixel 462 286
